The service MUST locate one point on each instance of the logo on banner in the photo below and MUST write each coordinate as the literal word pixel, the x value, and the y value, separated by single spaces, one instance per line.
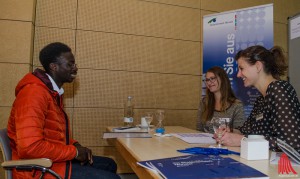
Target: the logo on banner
pixel 212 20
pixel 285 168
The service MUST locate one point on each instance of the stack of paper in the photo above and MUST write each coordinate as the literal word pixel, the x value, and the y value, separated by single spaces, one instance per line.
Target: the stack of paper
pixel 129 129
pixel 289 150
pixel 109 135
pixel 196 138
pixel 201 166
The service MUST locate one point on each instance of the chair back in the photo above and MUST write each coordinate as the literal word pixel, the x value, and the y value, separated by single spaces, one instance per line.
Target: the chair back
pixel 6 150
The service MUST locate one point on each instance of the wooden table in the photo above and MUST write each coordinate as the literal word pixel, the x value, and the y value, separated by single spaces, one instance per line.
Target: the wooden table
pixel 140 149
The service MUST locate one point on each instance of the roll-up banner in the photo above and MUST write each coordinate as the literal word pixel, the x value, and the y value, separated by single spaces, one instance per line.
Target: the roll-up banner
pixel 224 34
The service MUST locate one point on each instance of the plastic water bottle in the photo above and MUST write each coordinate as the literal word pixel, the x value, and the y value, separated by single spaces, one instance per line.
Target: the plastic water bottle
pixel 128 112
pixel 160 115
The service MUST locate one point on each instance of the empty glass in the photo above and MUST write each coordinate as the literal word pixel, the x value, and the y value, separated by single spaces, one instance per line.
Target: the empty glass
pixel 149 119
pixel 220 126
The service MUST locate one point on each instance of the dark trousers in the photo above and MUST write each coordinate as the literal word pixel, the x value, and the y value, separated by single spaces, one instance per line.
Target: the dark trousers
pixel 102 168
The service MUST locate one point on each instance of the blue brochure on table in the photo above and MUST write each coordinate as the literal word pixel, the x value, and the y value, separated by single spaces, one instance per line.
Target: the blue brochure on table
pixel 201 166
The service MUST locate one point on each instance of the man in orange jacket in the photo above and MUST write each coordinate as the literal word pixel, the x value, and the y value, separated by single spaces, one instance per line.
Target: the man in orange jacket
pixel 38 126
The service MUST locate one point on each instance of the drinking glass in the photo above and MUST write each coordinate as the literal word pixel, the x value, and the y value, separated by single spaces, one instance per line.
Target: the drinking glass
pixel 220 125
pixel 149 119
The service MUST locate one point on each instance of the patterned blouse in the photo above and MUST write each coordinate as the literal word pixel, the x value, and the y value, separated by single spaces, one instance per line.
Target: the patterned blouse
pixel 277 115
pixel 234 111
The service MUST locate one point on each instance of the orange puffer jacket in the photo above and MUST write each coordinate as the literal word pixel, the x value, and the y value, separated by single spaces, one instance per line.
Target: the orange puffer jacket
pixel 38 127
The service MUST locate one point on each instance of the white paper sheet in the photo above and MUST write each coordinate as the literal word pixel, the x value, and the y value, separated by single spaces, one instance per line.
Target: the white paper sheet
pixel 196 138
pixel 295 28
pixel 109 135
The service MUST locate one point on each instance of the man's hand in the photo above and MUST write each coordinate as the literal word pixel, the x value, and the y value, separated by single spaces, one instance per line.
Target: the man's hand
pixel 84 154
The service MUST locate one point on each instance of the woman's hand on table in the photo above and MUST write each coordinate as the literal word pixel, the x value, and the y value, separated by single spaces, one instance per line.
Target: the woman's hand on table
pixel 231 139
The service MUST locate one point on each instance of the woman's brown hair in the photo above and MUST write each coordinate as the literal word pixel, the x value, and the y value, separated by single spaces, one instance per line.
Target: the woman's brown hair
pixel 227 94
pixel 274 60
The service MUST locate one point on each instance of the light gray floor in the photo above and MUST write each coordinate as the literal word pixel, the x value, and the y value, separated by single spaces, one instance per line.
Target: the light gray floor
pixel 128 176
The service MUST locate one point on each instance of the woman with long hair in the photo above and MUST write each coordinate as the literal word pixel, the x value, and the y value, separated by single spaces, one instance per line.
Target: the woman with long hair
pixel 219 101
